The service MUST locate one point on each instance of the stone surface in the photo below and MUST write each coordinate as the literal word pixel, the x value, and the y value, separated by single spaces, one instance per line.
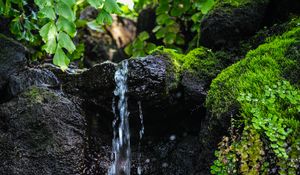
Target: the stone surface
pixel 227 26
pixel 41 132
pixel 12 56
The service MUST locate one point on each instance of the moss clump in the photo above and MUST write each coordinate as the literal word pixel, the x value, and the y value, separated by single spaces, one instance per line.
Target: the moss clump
pixel 39 95
pixel 203 62
pixel 267 62
pixel 268 104
pixel 200 62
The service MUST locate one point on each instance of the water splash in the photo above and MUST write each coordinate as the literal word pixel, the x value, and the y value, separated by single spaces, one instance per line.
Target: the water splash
pixel 142 130
pixel 121 152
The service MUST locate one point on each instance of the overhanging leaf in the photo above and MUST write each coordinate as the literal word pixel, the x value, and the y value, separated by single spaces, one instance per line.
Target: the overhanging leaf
pixel 95 3
pixel 111 6
pixel 70 3
pixel 60 59
pixel 65 25
pixel 104 18
pixel 65 11
pixel 43 3
pixel 47 12
pixel 65 41
pixel 45 30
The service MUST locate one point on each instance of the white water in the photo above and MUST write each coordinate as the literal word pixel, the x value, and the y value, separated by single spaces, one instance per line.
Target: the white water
pixel 121 152
pixel 142 130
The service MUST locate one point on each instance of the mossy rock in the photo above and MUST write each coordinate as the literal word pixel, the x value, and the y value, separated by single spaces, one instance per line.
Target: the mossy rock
pixel 267 62
pixel 263 91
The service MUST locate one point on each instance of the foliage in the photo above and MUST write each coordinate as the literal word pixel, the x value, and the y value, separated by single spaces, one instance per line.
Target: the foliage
pixel 55 21
pixel 269 106
pixel 173 17
pixel 139 47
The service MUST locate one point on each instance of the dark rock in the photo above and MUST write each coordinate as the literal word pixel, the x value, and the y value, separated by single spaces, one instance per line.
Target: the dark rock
pixel 19 81
pixel 12 56
pixel 146 22
pixel 152 78
pixel 226 25
pixel 4 23
pixel 281 10
pixel 41 132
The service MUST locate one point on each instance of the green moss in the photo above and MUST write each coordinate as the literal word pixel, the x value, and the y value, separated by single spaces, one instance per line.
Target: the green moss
pixel 202 61
pixel 267 62
pixel 38 95
pixel 258 86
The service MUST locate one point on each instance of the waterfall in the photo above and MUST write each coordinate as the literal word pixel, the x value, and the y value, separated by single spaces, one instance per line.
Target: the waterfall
pixel 141 133
pixel 121 151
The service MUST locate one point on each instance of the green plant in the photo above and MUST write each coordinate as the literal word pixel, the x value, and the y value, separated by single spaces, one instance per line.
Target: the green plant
pixel 268 104
pixel 56 22
pixel 139 47
pixel 172 18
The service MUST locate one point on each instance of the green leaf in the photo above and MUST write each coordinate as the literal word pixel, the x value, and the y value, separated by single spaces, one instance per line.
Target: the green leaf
pixel 176 11
pixel 15 26
pixel 95 26
pixel 45 30
pixel 70 3
pixel 48 33
pixel 160 33
pixel 206 5
pixel 104 18
pixel 169 38
pixel 60 59
pixel 128 49
pixel 156 29
pixel 65 25
pixel 143 36
pixel 50 46
pixel 161 19
pixel 1 7
pixel 47 12
pixel 78 53
pixel 43 3
pixel 150 47
pixel 111 6
pixel 65 11
pixel 95 3
pixel 65 41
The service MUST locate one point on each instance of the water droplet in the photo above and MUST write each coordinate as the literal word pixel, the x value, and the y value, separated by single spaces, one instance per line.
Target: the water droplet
pixel 172 137
pixel 165 165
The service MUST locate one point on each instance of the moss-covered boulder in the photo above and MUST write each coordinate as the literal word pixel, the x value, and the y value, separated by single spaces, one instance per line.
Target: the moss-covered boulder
pixel 231 21
pixel 259 101
pixel 41 132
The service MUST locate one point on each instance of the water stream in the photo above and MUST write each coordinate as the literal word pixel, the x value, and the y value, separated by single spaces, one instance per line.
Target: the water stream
pixel 141 133
pixel 121 152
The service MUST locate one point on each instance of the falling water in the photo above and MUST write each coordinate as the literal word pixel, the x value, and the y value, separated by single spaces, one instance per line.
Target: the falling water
pixel 121 139
pixel 142 130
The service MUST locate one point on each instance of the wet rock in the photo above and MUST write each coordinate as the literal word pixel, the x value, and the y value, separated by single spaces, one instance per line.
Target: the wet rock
pixel 41 132
pixel 19 81
pixel 12 56
pixel 152 78
pixel 227 24
pixel 15 75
